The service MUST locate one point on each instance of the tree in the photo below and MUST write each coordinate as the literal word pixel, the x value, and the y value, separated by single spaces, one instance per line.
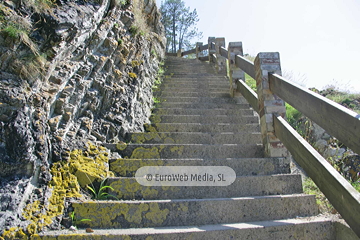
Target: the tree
pixel 180 25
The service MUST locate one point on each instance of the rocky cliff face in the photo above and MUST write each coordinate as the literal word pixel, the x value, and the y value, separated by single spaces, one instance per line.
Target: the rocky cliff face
pixel 71 72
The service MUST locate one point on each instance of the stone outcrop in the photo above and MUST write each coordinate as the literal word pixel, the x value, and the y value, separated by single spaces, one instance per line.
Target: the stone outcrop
pixel 83 73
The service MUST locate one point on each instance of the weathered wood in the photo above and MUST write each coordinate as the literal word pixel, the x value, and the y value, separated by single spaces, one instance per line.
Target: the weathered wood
pixel 340 193
pixel 171 54
pixel 223 52
pixel 245 65
pixel 248 94
pixel 213 58
pixel 189 52
pixel 206 58
pixel 204 47
pixel 337 120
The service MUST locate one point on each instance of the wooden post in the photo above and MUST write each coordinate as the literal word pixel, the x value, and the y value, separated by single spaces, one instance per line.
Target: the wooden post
pixel 221 61
pixel 198 52
pixel 269 104
pixel 179 53
pixel 211 49
pixel 235 48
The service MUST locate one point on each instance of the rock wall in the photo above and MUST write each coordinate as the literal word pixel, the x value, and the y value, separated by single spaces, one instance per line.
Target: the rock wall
pixel 82 72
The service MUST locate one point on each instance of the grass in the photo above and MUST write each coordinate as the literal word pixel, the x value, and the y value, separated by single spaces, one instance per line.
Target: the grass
pixel 101 194
pixel 75 221
pixel 323 203
pixel 140 26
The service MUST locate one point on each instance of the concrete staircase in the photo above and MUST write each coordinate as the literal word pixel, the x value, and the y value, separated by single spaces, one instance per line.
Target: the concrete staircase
pixel 198 124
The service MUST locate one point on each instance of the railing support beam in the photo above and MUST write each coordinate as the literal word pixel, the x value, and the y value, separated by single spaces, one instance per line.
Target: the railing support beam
pixel 235 48
pixel 221 61
pixel 198 51
pixel 179 53
pixel 210 47
pixel 269 104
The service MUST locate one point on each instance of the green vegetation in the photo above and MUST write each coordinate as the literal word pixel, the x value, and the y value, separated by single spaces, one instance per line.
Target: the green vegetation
pixel 323 203
pixel 140 26
pixel 180 25
pixel 75 222
pixel 250 82
pixel 101 193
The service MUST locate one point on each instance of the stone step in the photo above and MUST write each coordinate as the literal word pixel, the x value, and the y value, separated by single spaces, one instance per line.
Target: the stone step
pixel 185 212
pixel 321 228
pixel 206 100
pixel 206 151
pixel 127 188
pixel 242 166
pixel 207 88
pixel 224 94
pixel 196 84
pixel 167 104
pixel 209 91
pixel 203 119
pixel 197 137
pixel 198 127
pixel 219 111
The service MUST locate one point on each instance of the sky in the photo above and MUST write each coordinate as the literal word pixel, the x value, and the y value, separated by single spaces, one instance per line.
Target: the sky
pixel 318 40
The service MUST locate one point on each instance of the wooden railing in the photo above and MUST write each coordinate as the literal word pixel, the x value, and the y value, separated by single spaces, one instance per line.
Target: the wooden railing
pixel 269 101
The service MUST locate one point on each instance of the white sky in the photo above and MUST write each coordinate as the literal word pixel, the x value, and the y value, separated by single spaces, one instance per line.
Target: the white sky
pixel 318 40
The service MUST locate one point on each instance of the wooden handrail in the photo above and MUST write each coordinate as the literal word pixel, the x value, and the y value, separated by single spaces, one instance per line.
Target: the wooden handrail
pixel 223 52
pixel 188 52
pixel 337 120
pixel 245 65
pixel 204 47
pixel 340 122
pixel 248 94
pixel 339 192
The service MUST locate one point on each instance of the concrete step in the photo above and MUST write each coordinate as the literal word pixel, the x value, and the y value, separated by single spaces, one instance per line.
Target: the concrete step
pixel 224 94
pixel 197 137
pixel 189 88
pixel 206 100
pixel 127 188
pixel 167 104
pixel 198 127
pixel 185 212
pixel 203 119
pixel 321 228
pixel 242 166
pixel 196 84
pixel 209 91
pixel 206 151
pixel 219 111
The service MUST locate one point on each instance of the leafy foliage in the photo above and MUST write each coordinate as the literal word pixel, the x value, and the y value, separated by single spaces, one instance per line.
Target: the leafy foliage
pixel 76 221
pixel 180 25
pixel 101 193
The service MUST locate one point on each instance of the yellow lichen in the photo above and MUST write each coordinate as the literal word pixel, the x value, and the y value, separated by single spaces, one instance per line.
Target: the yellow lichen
pixel 135 63
pixel 156 215
pixel 82 167
pixel 132 75
pixel 89 165
pixel 121 146
pixel 145 153
pixel 14 233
